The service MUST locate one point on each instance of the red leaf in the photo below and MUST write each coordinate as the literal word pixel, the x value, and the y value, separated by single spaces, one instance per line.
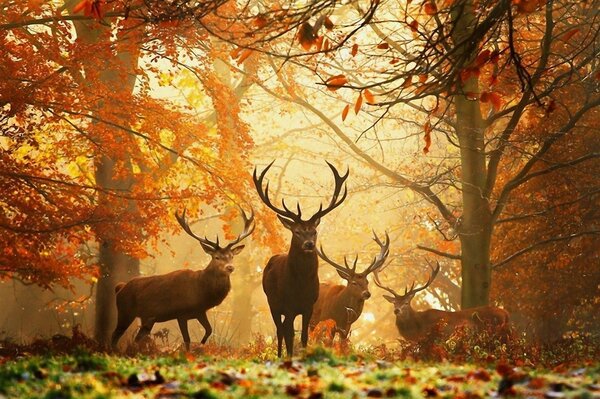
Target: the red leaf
pixel 467 73
pixel 243 55
pixel 496 101
pixel 358 103
pixel 430 8
pixel 335 82
pixel 328 24
pixel 369 96
pixel 345 112
pixel 485 97
pixel 354 50
pixel 306 36
pixel 427 137
pixel 482 58
pixel 414 26
pixel 82 5
pixel 423 78
pixel 569 35
pixel 493 79
pixel 407 82
pixel 383 46
pixel 260 21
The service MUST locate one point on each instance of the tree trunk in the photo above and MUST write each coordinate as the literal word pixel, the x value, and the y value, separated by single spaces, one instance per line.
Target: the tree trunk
pixel 115 266
pixel 475 228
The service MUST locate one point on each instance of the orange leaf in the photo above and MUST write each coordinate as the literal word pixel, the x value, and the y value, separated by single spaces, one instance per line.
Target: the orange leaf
pixel 83 4
pixel 427 137
pixel 394 61
pixel 260 21
pixel 569 35
pixel 358 103
pixel 236 52
pixel 354 50
pixel 326 45
pixel 423 78
pixel 328 24
pixel 306 36
pixel 496 101
pixel 335 82
pixel 383 46
pixel 482 58
pixel 369 96
pixel 430 8
pixel 345 112
pixel 319 43
pixel 244 54
pixel 407 82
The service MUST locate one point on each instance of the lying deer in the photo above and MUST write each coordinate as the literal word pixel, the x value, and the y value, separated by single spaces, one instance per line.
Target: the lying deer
pixel 418 325
pixel 344 303
pixel 182 294
pixel 291 281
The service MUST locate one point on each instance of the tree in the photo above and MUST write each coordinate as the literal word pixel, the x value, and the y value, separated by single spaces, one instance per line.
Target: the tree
pixel 472 74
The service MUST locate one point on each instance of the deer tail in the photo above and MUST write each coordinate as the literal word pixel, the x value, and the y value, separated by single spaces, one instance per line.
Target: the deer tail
pixel 119 287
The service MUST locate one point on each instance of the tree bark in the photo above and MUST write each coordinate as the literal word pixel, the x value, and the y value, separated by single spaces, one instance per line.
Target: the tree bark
pixel 475 228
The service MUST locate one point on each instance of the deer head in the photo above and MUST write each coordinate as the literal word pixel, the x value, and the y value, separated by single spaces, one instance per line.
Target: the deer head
pixel 221 257
pixel 304 232
pixel 358 285
pixel 402 302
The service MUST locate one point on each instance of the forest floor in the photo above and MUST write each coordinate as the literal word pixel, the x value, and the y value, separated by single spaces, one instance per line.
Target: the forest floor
pixel 318 373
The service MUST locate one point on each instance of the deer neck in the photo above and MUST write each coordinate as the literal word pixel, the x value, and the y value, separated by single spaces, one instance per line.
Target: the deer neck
pixel 301 260
pixel 347 300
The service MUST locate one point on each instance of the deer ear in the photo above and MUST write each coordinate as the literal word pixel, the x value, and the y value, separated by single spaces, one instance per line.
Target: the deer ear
pixel 209 250
pixel 342 275
pixel 390 298
pixel 287 223
pixel 237 249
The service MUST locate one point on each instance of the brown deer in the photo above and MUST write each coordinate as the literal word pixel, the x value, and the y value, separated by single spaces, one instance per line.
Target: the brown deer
pixel 418 326
pixel 344 303
pixel 182 294
pixel 291 281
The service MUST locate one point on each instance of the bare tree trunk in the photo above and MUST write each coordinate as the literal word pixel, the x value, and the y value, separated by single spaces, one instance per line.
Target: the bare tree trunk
pixel 475 228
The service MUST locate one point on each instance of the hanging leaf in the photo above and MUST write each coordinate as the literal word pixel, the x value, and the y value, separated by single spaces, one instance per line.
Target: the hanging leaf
pixel 482 58
pixel 319 43
pixel 414 26
pixel 383 46
pixel 335 82
pixel 369 96
pixel 569 35
pixel 260 22
pixel 358 103
pixel 354 50
pixel 244 54
pixel 407 82
pixel 236 52
pixel 430 8
pixel 427 136
pixel 423 78
pixel 328 24
pixel 306 36
pixel 345 112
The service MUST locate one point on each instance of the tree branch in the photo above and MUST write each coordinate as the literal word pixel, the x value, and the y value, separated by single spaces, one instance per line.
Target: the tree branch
pixel 440 253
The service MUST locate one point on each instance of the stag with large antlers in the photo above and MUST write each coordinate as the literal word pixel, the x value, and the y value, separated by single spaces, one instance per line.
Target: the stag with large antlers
pixel 291 281
pixel 182 294
pixel 344 303
pixel 417 326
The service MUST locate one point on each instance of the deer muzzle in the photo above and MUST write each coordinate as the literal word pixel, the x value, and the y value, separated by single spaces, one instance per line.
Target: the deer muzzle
pixel 308 246
pixel 229 268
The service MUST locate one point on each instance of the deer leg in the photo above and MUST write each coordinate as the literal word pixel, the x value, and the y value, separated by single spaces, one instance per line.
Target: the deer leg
pixel 207 327
pixel 144 330
pixel 305 321
pixel 288 334
pixel 279 327
pixel 183 327
pixel 123 322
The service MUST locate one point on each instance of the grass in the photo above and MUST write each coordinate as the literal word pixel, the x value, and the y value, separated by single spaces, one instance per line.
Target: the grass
pixel 318 373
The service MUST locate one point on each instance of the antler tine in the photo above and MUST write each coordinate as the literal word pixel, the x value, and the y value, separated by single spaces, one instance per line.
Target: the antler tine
pixel 379 260
pixel 383 287
pixel 432 276
pixel 186 227
pixel 344 270
pixel 264 195
pixel 248 226
pixel 339 181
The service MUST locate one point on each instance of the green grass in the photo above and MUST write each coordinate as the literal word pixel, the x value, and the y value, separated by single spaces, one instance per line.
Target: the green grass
pixel 317 374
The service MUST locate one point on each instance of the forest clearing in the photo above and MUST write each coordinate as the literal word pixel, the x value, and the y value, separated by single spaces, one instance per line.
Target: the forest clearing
pixel 290 198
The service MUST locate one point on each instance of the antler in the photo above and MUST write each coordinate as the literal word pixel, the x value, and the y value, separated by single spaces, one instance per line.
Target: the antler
pixel 264 196
pixel 212 246
pixel 335 201
pixel 377 262
pixel 248 227
pixel 207 244
pixel 383 287
pixel 412 290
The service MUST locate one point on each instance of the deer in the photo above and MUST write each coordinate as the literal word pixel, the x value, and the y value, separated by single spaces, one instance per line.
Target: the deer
pixel 417 326
pixel 182 294
pixel 344 303
pixel 291 281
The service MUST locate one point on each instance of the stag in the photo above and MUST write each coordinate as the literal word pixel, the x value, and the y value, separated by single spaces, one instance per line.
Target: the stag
pixel 417 326
pixel 291 281
pixel 182 294
pixel 344 303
